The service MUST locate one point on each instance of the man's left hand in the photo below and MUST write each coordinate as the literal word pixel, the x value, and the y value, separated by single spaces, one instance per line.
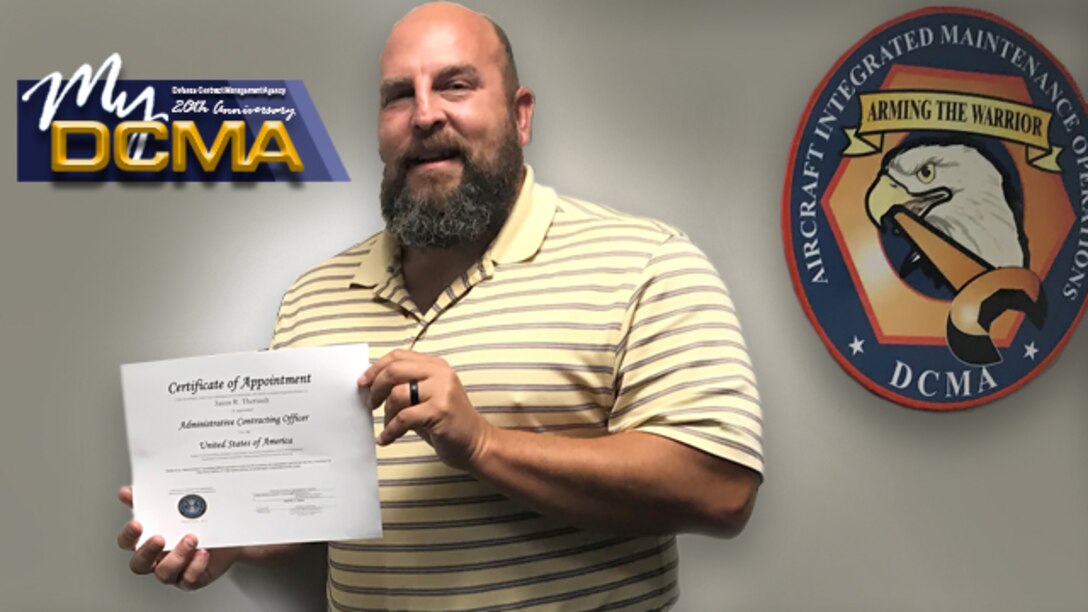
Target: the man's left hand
pixel 444 416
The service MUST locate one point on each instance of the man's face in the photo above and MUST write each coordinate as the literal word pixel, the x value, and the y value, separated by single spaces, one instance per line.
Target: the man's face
pixel 447 132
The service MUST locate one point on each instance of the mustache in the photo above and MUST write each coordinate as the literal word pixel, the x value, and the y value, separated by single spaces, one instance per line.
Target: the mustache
pixel 437 146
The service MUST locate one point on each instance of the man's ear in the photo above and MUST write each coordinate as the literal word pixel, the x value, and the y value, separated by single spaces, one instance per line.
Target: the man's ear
pixel 524 102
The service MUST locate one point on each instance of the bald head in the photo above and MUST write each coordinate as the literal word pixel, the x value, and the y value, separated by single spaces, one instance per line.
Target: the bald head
pixel 462 24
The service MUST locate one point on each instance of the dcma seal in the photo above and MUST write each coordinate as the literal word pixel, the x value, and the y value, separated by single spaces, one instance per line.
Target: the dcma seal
pixel 935 211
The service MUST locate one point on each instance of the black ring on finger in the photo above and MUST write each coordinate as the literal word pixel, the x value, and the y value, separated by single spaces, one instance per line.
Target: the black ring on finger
pixel 413 392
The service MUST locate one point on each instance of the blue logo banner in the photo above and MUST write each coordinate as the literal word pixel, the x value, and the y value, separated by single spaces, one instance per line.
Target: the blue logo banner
pixel 96 127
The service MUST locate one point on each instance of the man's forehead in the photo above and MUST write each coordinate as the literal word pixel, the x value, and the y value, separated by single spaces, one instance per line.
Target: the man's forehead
pixel 439 35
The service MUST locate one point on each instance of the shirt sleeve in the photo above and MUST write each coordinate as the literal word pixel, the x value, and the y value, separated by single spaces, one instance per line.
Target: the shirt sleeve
pixel 683 370
pixel 277 336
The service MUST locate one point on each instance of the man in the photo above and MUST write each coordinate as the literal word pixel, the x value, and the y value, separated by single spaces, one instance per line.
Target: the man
pixel 562 387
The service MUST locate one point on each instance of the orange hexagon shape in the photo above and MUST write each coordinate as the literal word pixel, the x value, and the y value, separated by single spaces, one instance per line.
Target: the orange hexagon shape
pixel 898 313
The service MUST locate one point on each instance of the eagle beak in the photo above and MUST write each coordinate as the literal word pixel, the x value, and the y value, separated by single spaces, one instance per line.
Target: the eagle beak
pixel 886 194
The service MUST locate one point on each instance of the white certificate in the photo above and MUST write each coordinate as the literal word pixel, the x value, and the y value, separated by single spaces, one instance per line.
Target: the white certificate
pixel 253 448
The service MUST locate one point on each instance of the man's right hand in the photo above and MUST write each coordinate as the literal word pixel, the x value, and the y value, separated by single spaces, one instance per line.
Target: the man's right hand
pixel 186 566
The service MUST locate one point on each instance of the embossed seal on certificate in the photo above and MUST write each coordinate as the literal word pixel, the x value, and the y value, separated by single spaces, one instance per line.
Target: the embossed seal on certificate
pixel 935 210
pixel 192 506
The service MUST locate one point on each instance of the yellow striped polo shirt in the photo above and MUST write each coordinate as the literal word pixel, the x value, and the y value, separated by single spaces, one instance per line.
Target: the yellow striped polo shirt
pixel 578 321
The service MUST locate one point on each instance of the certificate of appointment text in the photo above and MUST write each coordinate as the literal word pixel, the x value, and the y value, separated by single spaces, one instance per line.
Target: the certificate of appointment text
pixel 253 448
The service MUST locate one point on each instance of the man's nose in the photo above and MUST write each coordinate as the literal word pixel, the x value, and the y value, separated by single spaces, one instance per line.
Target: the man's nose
pixel 428 116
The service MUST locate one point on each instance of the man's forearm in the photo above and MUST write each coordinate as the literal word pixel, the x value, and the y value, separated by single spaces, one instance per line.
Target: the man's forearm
pixel 631 483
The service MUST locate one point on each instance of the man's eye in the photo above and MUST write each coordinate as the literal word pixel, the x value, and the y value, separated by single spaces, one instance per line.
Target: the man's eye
pixel 395 96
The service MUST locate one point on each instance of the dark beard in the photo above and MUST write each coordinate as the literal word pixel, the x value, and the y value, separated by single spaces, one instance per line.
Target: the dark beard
pixel 478 206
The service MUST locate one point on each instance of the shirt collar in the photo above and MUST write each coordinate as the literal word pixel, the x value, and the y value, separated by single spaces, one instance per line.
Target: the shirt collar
pixel 524 230
pixel 520 238
pixel 378 263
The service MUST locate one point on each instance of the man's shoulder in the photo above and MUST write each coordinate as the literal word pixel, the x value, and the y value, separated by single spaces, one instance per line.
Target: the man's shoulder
pixel 339 267
pixel 583 214
pixel 597 231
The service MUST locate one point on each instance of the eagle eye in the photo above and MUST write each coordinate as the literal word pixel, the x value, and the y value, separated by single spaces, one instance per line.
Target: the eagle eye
pixel 926 173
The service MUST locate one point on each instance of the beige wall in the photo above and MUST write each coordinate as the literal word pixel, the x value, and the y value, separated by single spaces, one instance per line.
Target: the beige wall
pixel 681 110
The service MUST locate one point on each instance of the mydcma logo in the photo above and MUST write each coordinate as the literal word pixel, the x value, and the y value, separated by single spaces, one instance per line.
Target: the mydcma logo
pixel 94 126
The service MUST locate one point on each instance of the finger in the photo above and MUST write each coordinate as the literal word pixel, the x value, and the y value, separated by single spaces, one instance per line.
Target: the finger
pixel 395 374
pixel 194 577
pixel 411 417
pixel 381 364
pixel 129 535
pixel 394 403
pixel 143 560
pixel 171 566
pixel 125 495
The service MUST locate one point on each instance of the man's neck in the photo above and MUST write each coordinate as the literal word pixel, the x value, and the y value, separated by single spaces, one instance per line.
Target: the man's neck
pixel 427 272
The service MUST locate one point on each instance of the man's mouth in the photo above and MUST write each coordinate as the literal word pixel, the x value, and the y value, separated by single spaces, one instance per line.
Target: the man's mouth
pixel 433 159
